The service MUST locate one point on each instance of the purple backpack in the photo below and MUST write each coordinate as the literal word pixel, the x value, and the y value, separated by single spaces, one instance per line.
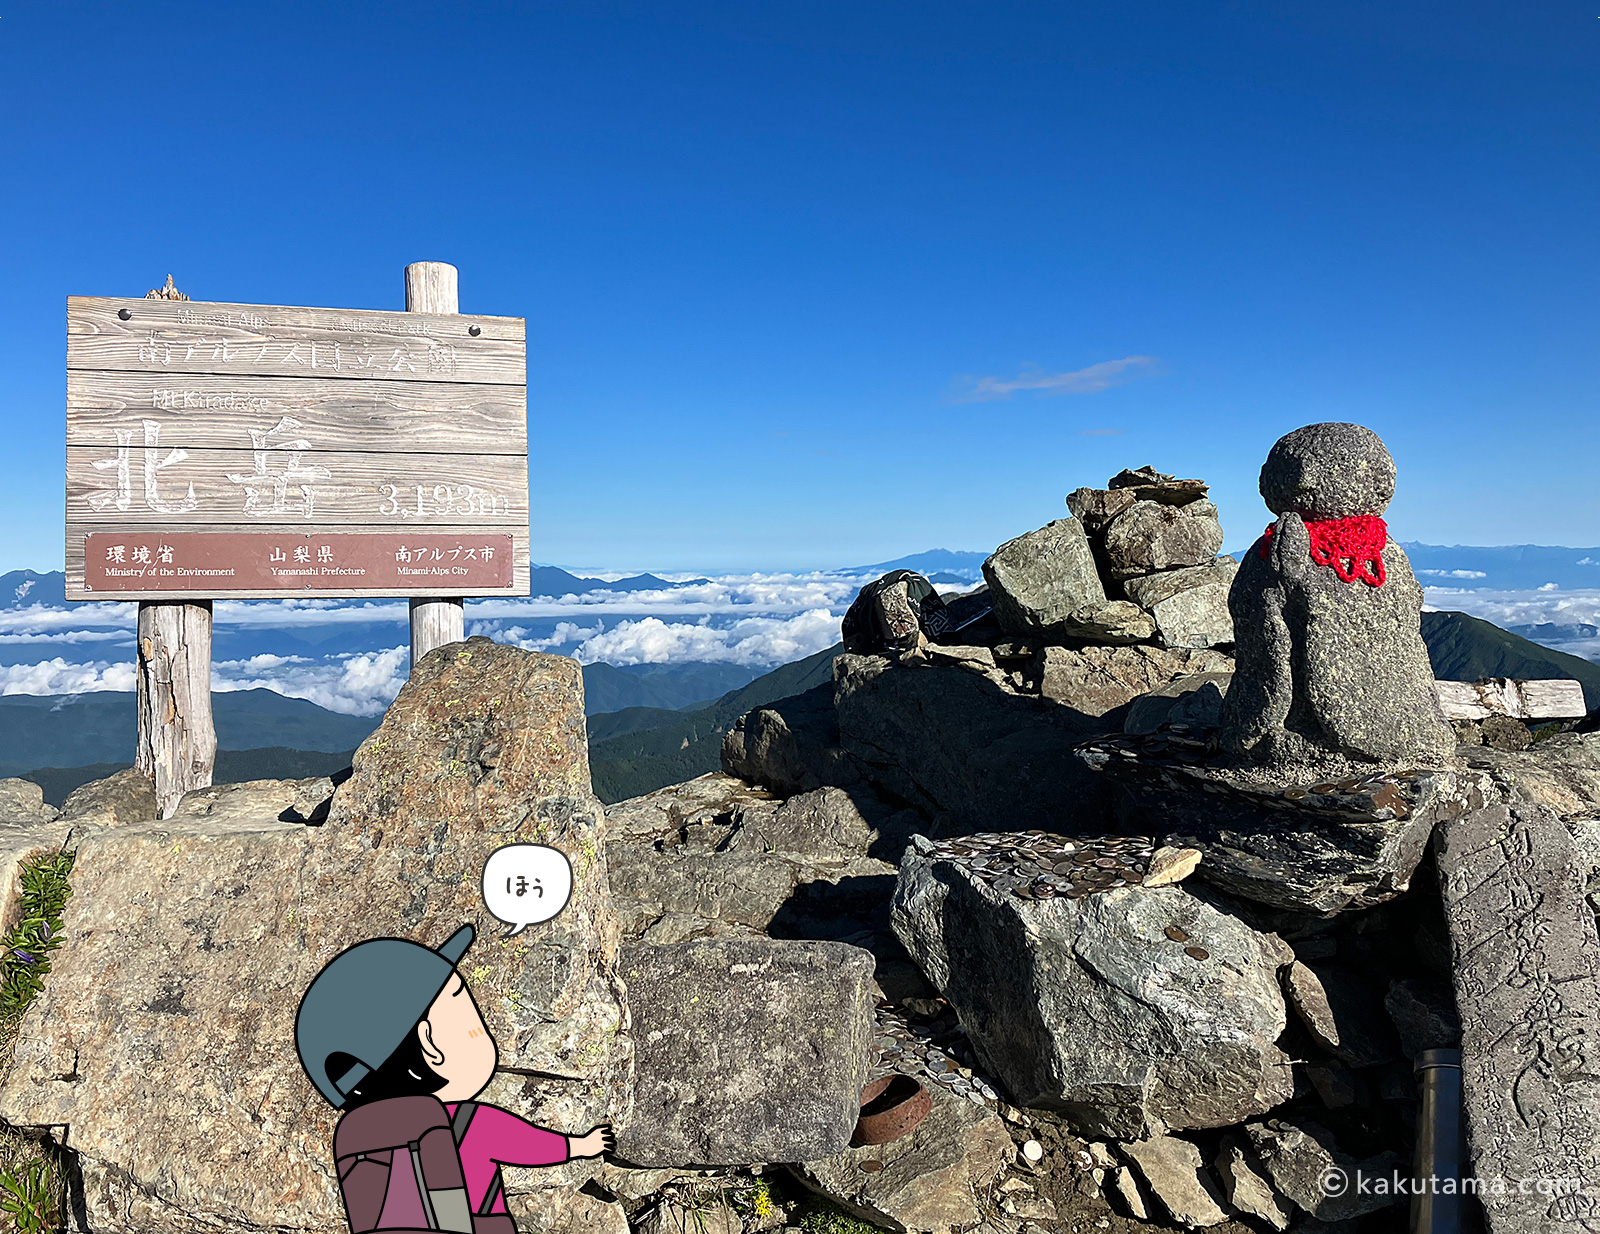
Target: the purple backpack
pixel 399 1164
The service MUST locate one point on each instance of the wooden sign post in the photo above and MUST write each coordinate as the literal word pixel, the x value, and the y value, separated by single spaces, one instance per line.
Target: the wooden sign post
pixel 259 451
pixel 431 287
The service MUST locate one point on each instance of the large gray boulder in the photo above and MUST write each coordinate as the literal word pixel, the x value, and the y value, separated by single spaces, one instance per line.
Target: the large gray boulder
pixel 1331 661
pixel 1039 580
pixel 713 857
pixel 1131 1011
pixel 964 751
pixel 790 746
pixel 935 1180
pixel 1194 701
pixel 1150 535
pixel 747 1050
pixel 128 796
pixel 1096 680
pixel 1190 605
pixel 164 1035
pixel 22 804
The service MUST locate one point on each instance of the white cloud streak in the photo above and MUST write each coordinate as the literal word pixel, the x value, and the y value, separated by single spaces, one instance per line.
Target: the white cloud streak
pixel 1091 380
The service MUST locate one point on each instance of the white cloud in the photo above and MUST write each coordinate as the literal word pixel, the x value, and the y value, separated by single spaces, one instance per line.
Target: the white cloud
pixel 565 632
pixel 1520 608
pixel 59 677
pixel 361 685
pixel 1549 587
pixel 37 618
pixel 263 661
pixel 1454 573
pixel 27 586
pixel 754 641
pixel 71 636
pixel 1091 380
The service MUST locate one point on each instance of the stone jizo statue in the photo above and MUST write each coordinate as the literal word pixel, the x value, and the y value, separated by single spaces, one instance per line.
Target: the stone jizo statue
pixel 1327 617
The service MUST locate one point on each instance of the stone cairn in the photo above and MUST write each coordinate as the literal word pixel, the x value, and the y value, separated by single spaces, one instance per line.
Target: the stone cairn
pixel 1136 564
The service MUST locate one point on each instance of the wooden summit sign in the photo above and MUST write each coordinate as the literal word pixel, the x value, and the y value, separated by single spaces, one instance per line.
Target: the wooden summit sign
pixel 258 451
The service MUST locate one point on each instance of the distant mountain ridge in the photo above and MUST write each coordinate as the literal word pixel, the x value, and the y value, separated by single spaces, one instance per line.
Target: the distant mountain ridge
pixel 958 565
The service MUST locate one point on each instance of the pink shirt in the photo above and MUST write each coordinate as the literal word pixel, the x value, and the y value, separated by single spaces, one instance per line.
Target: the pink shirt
pixel 497 1137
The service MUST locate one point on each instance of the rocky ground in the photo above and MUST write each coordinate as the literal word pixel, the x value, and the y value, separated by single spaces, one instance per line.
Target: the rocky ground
pixel 1140 991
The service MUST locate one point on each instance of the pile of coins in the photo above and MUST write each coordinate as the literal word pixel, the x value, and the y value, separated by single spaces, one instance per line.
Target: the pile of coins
pixel 1034 865
pixel 907 1047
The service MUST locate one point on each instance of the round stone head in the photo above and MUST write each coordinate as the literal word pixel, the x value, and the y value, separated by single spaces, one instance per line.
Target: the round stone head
pixel 1328 471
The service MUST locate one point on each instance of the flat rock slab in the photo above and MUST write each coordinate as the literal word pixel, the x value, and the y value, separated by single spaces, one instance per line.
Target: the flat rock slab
pixel 1526 960
pixel 932 1181
pixel 1321 848
pixel 746 1050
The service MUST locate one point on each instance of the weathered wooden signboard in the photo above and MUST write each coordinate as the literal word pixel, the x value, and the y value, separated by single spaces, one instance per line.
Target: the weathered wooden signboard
pixel 247 450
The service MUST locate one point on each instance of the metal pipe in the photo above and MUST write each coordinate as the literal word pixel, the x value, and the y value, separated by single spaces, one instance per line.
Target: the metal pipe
pixel 1441 1144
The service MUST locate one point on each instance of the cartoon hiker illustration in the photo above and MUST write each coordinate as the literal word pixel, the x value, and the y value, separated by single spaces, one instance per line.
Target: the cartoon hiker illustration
pixel 389 1033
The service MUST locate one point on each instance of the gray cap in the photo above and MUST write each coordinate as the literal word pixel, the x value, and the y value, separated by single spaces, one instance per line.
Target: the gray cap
pixel 364 1002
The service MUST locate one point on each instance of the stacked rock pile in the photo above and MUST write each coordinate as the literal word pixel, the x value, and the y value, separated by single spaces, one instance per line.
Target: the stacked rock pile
pixel 1156 540
pixel 1136 564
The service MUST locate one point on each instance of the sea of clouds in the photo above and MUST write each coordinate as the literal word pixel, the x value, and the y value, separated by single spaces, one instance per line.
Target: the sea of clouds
pixel 352 656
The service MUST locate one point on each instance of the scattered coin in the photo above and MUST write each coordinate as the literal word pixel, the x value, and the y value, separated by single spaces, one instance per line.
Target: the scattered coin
pixel 1197 953
pixel 1176 935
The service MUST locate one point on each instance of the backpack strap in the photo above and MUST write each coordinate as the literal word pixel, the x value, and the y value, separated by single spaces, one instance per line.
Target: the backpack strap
pixel 422 1184
pixel 491 1195
pixel 458 1128
pixel 462 1120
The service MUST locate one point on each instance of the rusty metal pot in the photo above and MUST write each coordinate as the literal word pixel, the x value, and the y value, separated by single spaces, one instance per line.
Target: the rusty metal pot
pixel 890 1108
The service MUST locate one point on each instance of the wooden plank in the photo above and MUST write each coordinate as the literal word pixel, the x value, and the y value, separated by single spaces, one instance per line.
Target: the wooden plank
pixel 140 486
pixel 1555 699
pixel 521 574
pixel 174 336
pixel 208 411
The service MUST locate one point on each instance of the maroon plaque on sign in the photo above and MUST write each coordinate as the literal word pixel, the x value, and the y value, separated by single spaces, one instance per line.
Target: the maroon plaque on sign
pixel 137 561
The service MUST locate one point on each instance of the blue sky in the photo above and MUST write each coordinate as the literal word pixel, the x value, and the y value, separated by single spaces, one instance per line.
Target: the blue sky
pixel 771 254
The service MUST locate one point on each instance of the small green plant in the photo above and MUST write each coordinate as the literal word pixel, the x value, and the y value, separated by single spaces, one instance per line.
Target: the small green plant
pixel 756 1200
pixel 25 958
pixel 31 1195
pixel 31 1189
pixel 821 1217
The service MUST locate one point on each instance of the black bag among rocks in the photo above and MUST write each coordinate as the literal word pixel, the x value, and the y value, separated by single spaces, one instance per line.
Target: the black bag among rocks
pixel 895 615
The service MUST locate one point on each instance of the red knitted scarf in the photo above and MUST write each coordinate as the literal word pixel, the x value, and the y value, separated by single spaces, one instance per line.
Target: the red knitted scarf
pixel 1358 540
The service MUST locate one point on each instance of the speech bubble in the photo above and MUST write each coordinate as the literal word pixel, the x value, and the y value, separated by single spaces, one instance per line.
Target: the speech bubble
pixel 524 884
